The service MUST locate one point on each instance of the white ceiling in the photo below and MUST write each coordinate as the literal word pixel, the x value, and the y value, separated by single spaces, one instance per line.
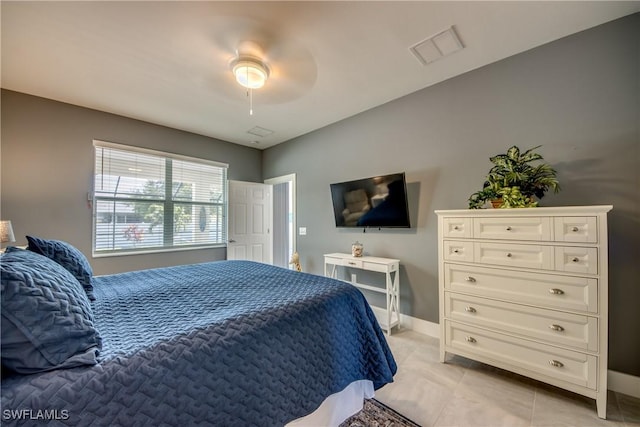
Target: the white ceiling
pixel 168 62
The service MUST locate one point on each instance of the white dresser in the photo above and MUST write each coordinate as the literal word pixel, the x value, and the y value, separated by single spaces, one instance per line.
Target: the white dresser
pixel 526 290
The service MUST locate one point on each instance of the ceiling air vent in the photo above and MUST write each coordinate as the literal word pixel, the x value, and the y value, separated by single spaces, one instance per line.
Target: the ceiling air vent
pixel 258 131
pixel 437 46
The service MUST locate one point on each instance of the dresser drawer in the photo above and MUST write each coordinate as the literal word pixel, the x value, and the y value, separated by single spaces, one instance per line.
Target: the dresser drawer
pixel 548 290
pixel 457 250
pixel 555 327
pixel 511 228
pixel 576 229
pixel 552 362
pixel 576 259
pixel 508 254
pixel 457 227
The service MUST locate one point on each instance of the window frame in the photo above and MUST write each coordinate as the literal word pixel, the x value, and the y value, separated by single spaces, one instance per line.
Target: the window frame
pixel 168 200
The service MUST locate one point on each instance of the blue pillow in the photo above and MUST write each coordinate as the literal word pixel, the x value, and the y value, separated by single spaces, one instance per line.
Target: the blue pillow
pixel 67 256
pixel 47 319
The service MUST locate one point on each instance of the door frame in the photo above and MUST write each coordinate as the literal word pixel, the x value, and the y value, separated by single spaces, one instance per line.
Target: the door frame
pixel 294 212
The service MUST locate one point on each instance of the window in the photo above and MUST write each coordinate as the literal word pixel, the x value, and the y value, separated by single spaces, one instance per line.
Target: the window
pixel 147 200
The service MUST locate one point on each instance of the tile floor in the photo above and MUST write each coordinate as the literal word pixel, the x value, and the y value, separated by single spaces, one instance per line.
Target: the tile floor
pixel 464 393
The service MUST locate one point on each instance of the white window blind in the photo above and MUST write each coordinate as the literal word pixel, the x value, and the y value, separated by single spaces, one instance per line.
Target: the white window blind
pixel 146 200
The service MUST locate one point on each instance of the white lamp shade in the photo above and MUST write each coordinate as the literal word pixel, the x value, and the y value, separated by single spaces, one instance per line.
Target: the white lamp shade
pixel 250 74
pixel 6 232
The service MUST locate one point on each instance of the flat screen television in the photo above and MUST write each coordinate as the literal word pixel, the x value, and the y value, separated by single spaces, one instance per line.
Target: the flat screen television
pixel 379 201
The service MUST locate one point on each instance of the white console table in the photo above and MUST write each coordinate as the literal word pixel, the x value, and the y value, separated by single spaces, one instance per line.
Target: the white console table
pixel 390 268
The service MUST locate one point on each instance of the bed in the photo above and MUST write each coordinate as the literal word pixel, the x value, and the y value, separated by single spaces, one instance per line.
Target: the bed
pixel 227 343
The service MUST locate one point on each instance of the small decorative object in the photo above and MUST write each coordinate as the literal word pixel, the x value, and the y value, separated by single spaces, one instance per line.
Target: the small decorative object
pixel 356 249
pixel 295 261
pixel 6 232
pixel 513 181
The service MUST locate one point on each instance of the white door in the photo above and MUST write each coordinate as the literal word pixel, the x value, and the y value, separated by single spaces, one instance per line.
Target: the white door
pixel 250 205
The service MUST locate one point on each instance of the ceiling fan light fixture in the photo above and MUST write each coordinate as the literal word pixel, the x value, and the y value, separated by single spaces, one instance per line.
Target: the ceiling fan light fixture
pixel 250 73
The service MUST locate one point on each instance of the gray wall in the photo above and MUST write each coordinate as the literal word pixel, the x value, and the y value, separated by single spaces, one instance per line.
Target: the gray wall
pixel 47 168
pixel 579 97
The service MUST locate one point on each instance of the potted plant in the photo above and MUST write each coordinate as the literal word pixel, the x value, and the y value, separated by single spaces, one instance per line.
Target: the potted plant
pixel 515 181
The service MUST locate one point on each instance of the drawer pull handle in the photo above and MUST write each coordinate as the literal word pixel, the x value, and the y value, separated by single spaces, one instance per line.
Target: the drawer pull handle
pixel 509 255
pixel 556 363
pixel 470 279
pixel 556 291
pixel 556 328
pixel 352 263
pixel 509 228
pixel 471 339
pixel 575 259
pixel 455 251
pixel 470 309
pixel 575 229
pixel 456 228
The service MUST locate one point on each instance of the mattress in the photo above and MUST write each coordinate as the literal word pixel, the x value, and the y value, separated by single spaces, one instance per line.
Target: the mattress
pixel 223 343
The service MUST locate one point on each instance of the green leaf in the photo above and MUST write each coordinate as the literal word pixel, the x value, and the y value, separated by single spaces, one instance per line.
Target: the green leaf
pixel 529 155
pixel 499 159
pixel 513 153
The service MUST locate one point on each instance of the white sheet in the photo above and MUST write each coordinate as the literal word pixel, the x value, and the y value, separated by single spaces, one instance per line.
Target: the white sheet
pixel 338 407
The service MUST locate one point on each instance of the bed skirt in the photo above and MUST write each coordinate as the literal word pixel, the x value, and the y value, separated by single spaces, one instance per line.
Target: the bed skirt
pixel 338 407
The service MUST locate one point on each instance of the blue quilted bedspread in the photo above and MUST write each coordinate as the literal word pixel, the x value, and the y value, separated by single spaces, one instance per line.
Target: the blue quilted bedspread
pixel 229 343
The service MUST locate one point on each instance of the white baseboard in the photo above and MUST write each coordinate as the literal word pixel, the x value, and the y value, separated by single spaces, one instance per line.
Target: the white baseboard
pixel 413 323
pixel 623 383
pixel 421 326
pixel 616 381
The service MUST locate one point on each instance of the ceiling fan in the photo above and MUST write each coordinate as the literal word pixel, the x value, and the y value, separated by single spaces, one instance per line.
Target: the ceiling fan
pixel 278 68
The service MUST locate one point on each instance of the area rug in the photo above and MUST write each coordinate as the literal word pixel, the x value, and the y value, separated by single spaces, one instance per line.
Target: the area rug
pixel 376 414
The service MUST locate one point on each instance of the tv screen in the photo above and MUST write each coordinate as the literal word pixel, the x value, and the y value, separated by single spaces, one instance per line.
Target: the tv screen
pixel 379 201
